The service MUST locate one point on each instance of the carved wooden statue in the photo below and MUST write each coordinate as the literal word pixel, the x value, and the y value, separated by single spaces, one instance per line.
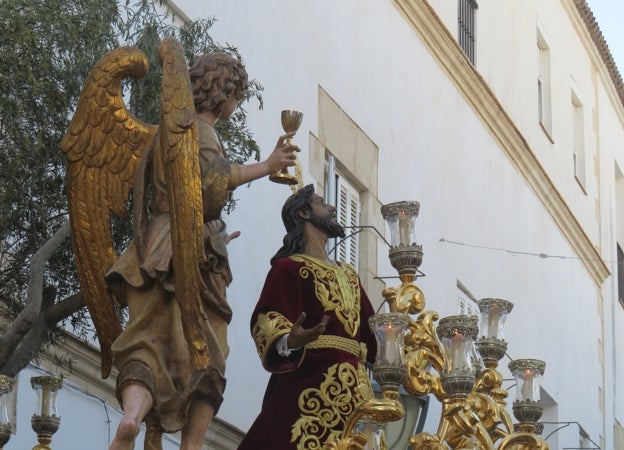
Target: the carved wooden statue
pixel 172 277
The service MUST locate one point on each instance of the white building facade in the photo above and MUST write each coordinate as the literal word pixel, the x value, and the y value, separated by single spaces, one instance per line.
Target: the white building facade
pixel 505 120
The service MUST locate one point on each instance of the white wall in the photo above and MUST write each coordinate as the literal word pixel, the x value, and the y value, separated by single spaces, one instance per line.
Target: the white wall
pixel 434 150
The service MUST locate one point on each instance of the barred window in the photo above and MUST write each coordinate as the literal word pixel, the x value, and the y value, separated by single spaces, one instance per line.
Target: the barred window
pixel 466 23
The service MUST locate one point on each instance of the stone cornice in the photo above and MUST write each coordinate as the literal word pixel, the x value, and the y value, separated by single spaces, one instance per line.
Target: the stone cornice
pixel 476 91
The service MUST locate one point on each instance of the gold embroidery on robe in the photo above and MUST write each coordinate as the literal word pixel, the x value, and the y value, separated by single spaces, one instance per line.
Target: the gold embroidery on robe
pixel 336 287
pixel 267 329
pixel 324 410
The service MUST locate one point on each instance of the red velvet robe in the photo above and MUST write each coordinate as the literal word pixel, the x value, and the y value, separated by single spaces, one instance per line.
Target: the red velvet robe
pixel 312 392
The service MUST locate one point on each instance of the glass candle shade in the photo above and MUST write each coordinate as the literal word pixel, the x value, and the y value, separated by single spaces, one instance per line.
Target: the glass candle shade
pixel 494 312
pixel 491 344
pixel 405 255
pixel 45 421
pixel 400 217
pixel 6 385
pixel 457 334
pixel 527 407
pixel 389 369
pixel 389 330
pixel 528 374
pixel 46 388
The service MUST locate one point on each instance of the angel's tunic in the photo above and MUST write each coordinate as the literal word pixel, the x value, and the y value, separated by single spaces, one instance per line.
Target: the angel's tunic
pixel 311 392
pixel 152 350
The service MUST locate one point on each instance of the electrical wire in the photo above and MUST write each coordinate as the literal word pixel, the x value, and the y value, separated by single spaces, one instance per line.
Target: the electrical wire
pixel 518 252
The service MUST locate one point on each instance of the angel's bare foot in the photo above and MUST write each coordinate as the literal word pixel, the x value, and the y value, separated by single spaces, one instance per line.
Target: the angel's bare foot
pixel 137 401
pixel 127 432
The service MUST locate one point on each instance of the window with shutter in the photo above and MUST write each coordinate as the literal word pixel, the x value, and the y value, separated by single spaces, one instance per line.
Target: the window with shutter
pixel 353 191
pixel 578 140
pixel 466 306
pixel 543 84
pixel 348 213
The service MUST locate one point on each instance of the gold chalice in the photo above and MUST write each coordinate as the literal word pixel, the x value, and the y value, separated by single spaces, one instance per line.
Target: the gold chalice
pixel 291 120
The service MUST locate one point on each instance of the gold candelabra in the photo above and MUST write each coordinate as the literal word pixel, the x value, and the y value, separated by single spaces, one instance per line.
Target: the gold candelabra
pixel 455 361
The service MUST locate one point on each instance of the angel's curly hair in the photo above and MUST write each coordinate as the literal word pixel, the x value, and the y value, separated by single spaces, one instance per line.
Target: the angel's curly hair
pixel 214 77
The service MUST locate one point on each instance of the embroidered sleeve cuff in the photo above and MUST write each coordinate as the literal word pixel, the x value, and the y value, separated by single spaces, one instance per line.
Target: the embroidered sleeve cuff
pixel 269 327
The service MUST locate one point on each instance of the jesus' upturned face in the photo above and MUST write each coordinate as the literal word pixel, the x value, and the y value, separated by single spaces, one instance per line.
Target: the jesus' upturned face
pixel 323 216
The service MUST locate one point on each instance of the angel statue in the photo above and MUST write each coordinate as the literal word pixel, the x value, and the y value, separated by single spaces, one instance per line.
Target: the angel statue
pixel 173 276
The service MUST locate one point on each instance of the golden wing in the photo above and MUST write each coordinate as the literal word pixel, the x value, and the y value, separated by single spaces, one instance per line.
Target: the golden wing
pixel 179 144
pixel 103 146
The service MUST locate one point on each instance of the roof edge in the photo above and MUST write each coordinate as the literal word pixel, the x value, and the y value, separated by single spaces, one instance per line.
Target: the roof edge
pixel 601 44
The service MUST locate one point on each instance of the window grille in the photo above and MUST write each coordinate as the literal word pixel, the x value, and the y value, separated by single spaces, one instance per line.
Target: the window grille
pixel 466 22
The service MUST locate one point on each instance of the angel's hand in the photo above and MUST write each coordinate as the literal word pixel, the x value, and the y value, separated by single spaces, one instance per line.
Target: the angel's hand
pixel 283 154
pixel 217 228
pixel 300 336
pixel 231 236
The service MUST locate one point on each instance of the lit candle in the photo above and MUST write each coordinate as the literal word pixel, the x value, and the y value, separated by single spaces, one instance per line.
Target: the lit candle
pixel 493 319
pixel 391 334
pixel 457 351
pixel 45 399
pixel 405 228
pixel 387 347
pixel 527 386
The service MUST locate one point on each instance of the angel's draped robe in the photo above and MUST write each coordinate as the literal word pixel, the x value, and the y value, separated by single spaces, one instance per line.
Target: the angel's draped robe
pixel 152 350
pixel 311 392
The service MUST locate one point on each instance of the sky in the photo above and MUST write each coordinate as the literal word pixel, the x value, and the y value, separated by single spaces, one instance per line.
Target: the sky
pixel 610 17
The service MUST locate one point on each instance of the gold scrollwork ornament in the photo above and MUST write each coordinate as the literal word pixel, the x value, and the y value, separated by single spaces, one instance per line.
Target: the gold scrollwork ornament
pixel 523 441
